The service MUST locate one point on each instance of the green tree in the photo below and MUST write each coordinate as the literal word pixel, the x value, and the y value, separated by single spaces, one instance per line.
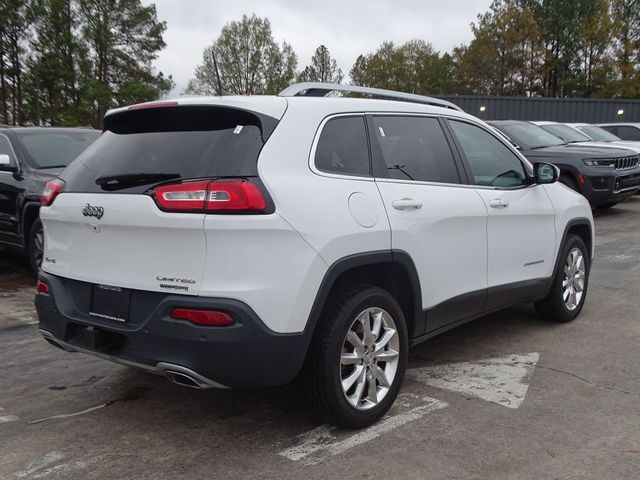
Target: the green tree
pixel 15 20
pixel 504 58
pixel 323 68
pixel 413 67
pixel 123 37
pixel 250 61
pixel 626 28
pixel 54 73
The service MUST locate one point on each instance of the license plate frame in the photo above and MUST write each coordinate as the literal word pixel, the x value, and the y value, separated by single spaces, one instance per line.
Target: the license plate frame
pixel 110 303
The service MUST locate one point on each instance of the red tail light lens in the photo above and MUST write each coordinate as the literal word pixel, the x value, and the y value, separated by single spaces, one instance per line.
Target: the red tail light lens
pixel 207 318
pixel 42 287
pixel 217 196
pixel 51 190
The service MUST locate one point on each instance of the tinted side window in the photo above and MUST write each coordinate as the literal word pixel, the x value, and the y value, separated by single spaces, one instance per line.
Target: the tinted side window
pixel 491 162
pixel 5 147
pixel 343 148
pixel 415 148
pixel 628 133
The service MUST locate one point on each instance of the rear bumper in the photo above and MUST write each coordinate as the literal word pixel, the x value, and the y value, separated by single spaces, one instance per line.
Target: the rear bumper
pixel 244 355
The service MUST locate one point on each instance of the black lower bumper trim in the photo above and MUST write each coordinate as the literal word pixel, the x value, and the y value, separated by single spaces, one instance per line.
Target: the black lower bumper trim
pixel 244 355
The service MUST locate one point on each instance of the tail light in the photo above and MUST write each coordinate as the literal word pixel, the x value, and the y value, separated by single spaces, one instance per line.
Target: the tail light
pixel 42 287
pixel 51 190
pixel 207 318
pixel 232 196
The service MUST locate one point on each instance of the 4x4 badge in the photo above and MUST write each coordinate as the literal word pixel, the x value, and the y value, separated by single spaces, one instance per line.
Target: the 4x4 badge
pixel 91 211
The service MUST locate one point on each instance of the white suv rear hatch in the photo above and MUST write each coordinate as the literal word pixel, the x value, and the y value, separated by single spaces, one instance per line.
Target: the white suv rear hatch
pixel 107 226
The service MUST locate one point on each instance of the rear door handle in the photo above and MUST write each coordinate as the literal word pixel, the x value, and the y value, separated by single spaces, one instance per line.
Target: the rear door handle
pixel 406 204
pixel 498 203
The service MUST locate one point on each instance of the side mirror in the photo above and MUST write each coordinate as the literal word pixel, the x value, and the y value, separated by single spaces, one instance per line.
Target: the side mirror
pixel 545 173
pixel 6 165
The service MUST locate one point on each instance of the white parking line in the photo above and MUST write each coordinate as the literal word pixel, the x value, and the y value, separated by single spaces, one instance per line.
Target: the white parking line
pixel 7 418
pixel 38 464
pixel 325 441
pixel 501 380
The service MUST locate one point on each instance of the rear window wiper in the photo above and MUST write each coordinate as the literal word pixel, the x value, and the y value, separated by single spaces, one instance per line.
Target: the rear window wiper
pixel 117 182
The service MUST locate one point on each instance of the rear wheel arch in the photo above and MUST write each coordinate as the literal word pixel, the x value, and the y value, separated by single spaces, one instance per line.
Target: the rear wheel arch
pixel 393 271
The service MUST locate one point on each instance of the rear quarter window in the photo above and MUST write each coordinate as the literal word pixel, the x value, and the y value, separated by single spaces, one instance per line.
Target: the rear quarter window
pixel 343 147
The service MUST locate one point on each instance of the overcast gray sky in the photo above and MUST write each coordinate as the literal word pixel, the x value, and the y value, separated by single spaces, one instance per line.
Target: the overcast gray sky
pixel 347 27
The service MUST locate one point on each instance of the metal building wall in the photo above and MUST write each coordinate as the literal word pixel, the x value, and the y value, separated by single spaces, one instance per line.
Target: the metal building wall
pixel 552 109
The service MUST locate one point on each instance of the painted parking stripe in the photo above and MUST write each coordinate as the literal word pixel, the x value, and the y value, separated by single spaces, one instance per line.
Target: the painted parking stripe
pixel 7 418
pixel 325 441
pixel 501 380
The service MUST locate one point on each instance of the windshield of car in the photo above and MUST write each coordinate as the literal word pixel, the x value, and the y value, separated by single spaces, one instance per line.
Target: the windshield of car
pixel 54 148
pixel 599 134
pixel 567 134
pixel 530 136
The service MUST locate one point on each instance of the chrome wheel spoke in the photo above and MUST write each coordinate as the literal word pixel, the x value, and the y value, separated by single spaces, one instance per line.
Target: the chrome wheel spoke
pixel 350 359
pixel 356 397
pixel 379 375
pixel 387 355
pixel 372 393
pixel 377 325
pixel 355 341
pixel 384 341
pixel 348 382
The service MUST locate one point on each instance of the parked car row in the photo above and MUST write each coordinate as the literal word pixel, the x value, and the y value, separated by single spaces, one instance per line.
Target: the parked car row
pixel 246 240
pixel 592 161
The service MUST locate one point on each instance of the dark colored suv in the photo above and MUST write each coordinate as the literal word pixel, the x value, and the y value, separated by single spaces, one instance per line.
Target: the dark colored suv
pixel 605 176
pixel 29 157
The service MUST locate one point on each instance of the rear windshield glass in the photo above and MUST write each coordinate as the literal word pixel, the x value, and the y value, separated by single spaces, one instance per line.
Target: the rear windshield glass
pixel 530 136
pixel 567 134
pixel 599 134
pixel 142 148
pixel 54 148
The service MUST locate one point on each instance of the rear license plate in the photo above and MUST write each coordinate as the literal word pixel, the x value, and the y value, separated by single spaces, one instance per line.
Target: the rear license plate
pixel 110 303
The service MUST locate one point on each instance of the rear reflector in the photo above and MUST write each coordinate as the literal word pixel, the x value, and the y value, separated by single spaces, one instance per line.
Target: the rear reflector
pixel 42 287
pixel 208 318
pixel 51 190
pixel 218 196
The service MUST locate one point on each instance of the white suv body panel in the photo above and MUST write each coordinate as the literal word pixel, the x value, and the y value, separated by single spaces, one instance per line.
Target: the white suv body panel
pixel 447 234
pixel 132 245
pixel 263 262
pixel 276 263
pixel 521 236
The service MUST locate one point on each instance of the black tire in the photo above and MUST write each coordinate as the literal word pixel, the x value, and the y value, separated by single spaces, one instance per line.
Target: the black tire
pixel 569 181
pixel 36 246
pixel 324 371
pixel 606 206
pixel 553 307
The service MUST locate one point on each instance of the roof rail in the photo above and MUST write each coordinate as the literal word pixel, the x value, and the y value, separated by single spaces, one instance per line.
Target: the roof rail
pixel 314 89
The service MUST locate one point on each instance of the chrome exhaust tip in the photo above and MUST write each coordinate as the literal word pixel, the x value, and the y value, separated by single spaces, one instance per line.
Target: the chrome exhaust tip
pixel 183 379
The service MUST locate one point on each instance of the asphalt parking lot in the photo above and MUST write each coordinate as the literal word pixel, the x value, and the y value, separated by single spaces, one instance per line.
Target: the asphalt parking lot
pixel 506 397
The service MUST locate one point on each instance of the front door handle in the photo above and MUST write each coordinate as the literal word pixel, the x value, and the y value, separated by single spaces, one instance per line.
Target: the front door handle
pixel 406 204
pixel 498 203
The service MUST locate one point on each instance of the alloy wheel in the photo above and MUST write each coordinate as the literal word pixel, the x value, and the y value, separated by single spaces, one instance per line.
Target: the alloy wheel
pixel 574 279
pixel 369 358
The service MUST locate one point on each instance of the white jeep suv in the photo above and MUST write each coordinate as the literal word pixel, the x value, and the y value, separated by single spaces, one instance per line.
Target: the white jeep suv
pixel 241 241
